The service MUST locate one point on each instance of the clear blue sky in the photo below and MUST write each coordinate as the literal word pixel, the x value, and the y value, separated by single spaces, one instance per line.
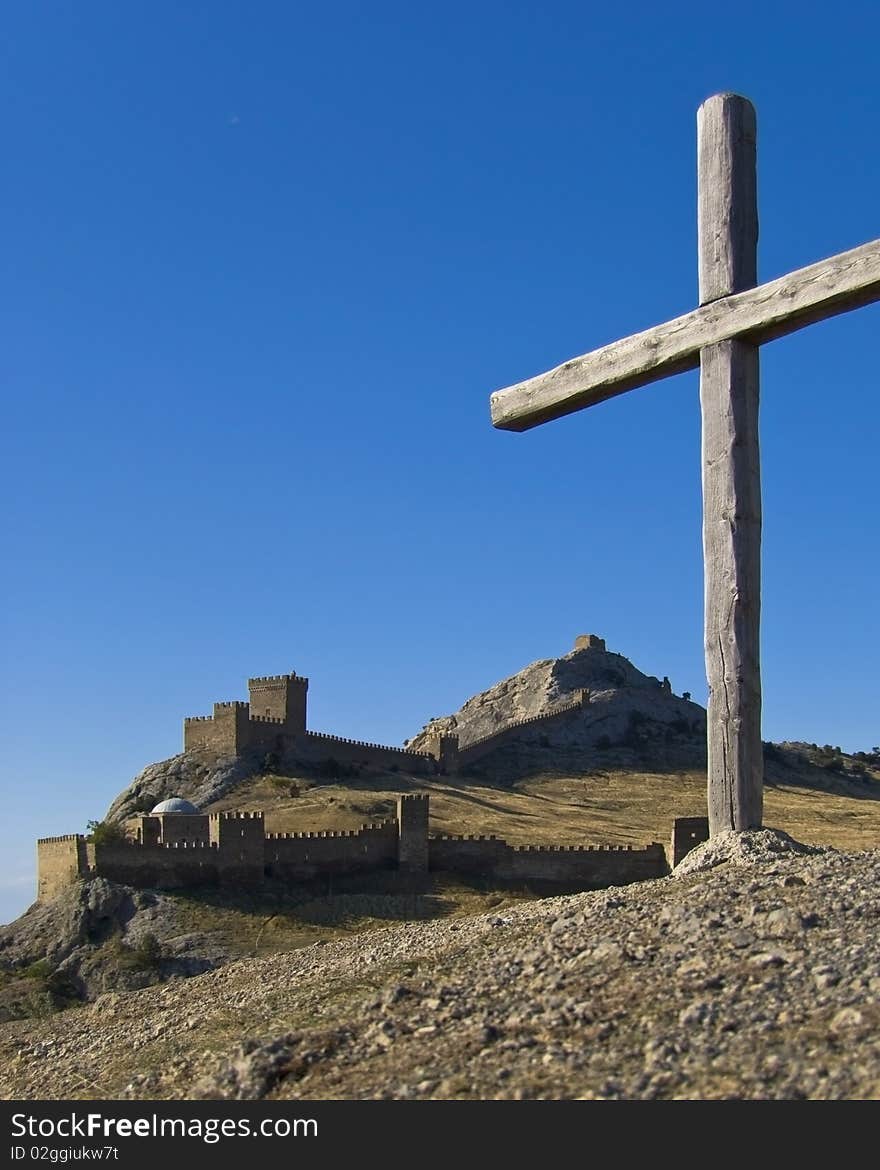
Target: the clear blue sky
pixel 263 266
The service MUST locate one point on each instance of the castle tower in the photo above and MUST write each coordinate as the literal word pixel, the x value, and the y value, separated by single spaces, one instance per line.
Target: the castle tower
pixel 280 696
pixel 589 642
pixel 240 841
pixel 447 753
pixel 412 830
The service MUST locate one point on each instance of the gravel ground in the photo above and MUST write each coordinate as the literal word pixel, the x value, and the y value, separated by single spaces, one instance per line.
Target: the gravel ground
pixel 752 972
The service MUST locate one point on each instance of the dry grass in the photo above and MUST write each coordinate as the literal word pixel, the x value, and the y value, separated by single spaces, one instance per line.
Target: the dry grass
pixel 612 806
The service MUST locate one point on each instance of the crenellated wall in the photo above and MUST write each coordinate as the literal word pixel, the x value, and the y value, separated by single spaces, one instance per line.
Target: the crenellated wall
pixel 159 867
pixel 568 865
pixel 316 746
pixel 174 850
pixel 478 748
pixel 60 862
pixel 304 856
pixel 274 720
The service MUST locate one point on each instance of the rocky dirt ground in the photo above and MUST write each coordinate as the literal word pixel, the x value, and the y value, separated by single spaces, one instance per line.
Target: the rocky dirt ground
pixel 752 972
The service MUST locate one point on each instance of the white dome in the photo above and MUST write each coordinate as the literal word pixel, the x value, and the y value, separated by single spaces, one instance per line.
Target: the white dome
pixel 176 804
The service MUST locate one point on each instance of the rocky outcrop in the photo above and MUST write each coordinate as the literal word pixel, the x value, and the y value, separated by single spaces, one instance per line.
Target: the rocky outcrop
pixel 97 935
pixel 199 776
pixel 616 706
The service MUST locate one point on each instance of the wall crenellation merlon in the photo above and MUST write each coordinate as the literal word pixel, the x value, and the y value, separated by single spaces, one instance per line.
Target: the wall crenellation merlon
pixel 277 678
pixel 193 849
pixel 582 701
pixel 364 743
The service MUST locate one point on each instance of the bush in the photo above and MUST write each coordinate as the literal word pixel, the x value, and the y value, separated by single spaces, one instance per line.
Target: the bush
pixel 145 955
pixel 105 833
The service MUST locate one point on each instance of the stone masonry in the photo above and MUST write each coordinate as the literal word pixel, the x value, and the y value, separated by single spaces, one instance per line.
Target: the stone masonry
pixel 274 720
pixel 173 850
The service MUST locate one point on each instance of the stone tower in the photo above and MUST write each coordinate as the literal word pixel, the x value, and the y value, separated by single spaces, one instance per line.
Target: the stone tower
pixel 589 642
pixel 280 696
pixel 412 828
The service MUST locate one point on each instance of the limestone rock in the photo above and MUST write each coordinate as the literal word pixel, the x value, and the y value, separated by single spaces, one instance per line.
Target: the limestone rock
pixel 742 849
pixel 624 708
pixel 90 934
pixel 198 776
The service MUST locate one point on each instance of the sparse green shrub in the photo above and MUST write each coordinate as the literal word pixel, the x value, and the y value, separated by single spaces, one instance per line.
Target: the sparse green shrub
pixel 105 832
pixel 145 955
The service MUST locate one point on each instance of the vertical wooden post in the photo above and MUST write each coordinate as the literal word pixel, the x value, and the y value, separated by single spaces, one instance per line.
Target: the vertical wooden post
pixel 728 250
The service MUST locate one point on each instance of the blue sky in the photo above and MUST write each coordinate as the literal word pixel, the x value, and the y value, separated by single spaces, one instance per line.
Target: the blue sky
pixel 264 265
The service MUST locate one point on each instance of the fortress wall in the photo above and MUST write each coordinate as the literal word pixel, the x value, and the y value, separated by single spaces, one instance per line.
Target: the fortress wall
pixel 594 865
pixel 201 731
pixel 302 856
pixel 239 838
pixel 513 731
pixel 158 866
pixel 607 865
pixel 177 828
pixel 476 856
pixel 315 746
pixel 60 862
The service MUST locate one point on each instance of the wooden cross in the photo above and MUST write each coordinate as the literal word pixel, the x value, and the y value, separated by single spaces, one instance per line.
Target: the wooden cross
pixel 721 337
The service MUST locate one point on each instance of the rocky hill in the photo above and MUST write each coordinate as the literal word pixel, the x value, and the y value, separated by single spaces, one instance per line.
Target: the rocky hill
pixel 614 769
pixel 628 713
pixel 621 707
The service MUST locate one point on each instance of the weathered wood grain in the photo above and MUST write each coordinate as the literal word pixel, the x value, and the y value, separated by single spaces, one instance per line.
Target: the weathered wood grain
pixel 836 285
pixel 727 196
pixel 729 380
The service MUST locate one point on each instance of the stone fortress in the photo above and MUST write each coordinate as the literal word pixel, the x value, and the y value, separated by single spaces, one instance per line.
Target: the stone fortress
pixel 274 720
pixel 176 845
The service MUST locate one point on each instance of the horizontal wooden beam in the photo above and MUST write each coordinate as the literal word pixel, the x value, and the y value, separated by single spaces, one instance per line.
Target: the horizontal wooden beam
pixel 832 286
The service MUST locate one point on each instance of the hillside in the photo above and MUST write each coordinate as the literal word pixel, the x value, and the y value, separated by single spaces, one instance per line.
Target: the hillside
pixel 750 973
pixel 614 770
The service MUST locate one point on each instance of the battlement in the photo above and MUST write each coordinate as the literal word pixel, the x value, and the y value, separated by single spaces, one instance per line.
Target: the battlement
pixel 233 847
pixel 277 678
pixel 324 834
pixel 235 703
pixel 198 719
pixel 236 816
pixel 481 746
pixel 464 837
pixel 266 719
pixel 365 744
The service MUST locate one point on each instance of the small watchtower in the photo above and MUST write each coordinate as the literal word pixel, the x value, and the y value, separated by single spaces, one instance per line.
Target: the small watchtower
pixel 589 642
pixel 280 696
pixel 412 828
